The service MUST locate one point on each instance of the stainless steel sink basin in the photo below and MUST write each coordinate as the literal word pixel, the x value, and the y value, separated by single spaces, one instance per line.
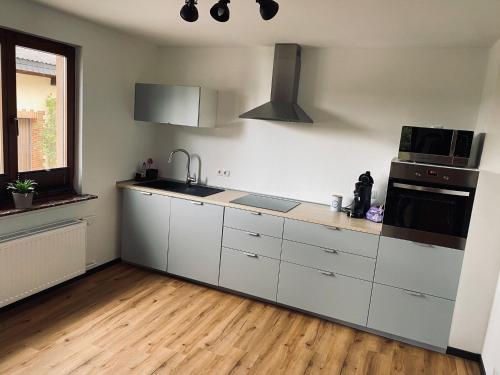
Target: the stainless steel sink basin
pixel 181 187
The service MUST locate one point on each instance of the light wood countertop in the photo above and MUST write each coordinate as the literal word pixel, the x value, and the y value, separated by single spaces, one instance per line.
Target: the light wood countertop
pixel 309 212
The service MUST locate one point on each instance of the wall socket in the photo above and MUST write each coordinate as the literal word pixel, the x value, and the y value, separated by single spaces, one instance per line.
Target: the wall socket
pixel 223 172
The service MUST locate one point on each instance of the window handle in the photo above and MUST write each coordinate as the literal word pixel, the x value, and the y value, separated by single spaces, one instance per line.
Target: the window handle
pixel 15 121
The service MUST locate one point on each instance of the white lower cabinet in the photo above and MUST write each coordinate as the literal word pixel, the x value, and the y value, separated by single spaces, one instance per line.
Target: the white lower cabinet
pixel 325 293
pixel 249 273
pixel 195 240
pixel 411 315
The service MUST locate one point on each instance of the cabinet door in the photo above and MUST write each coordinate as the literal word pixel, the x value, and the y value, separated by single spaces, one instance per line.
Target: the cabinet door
pixel 249 273
pixel 167 104
pixel 432 270
pixel 411 315
pixel 324 293
pixel 195 240
pixel 333 238
pixel 145 227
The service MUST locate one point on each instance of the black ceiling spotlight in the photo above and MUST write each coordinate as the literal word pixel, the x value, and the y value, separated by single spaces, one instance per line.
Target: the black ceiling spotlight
pixel 220 11
pixel 189 12
pixel 268 8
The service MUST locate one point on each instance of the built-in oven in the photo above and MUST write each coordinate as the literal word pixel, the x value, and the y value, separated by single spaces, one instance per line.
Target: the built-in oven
pixel 458 148
pixel 429 204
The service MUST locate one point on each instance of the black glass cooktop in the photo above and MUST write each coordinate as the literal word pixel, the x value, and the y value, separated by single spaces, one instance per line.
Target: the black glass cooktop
pixel 268 203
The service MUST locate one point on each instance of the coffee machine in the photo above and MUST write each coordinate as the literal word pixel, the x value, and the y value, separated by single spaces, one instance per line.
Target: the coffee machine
pixel 362 196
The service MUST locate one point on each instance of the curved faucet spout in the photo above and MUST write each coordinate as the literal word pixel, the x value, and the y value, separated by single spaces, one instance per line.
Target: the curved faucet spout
pixel 189 179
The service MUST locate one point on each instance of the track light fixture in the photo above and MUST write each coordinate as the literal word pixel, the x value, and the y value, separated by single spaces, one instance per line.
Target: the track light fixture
pixel 268 8
pixel 189 12
pixel 220 11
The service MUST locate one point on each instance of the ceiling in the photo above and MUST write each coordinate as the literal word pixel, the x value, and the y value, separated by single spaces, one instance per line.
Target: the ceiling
pixel 322 23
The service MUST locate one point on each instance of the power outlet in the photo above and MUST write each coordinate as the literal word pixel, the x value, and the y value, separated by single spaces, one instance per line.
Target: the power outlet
pixel 227 173
pixel 220 172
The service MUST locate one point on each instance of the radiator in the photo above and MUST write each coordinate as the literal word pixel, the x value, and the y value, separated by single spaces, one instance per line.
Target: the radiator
pixel 36 259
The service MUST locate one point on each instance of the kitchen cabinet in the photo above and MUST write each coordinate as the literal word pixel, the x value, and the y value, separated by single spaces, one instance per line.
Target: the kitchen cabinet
pixel 324 292
pixel 249 273
pixel 175 105
pixel 256 222
pixel 195 240
pixel 419 267
pixel 415 316
pixel 331 238
pixel 145 227
pixel 252 242
pixel 330 260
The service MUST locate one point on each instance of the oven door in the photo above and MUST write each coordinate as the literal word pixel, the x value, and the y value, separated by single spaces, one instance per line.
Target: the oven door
pixel 428 213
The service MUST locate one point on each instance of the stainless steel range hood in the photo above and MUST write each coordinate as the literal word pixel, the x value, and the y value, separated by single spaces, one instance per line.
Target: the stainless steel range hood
pixel 285 88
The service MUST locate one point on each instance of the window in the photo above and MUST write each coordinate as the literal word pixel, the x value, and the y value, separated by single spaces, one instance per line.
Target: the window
pixel 37 102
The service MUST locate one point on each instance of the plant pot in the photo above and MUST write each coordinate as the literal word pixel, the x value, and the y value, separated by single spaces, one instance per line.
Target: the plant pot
pixel 22 201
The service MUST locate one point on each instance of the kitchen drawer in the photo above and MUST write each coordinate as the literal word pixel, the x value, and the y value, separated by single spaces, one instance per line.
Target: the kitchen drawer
pixel 254 222
pixel 327 259
pixel 252 242
pixel 423 268
pixel 332 295
pixel 249 273
pixel 421 318
pixel 332 238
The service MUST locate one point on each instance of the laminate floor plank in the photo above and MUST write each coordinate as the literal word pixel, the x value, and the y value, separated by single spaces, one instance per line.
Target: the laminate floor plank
pixel 126 320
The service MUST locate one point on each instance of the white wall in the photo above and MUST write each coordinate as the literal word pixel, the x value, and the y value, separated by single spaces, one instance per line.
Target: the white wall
pixel 482 254
pixel 111 142
pixel 358 98
pixel 491 351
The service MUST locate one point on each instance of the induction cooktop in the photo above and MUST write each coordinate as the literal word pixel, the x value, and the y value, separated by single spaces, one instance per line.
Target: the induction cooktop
pixel 268 203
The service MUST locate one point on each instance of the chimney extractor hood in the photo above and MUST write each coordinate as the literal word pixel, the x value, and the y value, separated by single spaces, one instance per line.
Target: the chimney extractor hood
pixel 285 88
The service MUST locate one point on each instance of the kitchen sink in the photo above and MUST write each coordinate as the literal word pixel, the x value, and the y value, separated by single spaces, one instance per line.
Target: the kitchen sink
pixel 180 187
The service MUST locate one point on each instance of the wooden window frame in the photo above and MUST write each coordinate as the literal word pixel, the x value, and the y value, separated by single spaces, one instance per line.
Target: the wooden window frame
pixel 51 182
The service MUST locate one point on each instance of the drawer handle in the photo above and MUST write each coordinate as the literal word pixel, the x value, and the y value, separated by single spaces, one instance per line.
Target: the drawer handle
pixel 251 255
pixel 145 193
pixel 256 213
pixel 414 294
pixel 423 244
pixel 330 251
pixel 326 273
pixel 331 228
pixel 197 203
pixel 253 234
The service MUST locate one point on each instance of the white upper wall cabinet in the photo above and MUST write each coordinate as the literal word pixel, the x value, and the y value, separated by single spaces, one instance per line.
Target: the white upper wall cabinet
pixel 175 105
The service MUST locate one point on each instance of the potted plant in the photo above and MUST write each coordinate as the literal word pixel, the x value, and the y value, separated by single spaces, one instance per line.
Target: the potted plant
pixel 22 192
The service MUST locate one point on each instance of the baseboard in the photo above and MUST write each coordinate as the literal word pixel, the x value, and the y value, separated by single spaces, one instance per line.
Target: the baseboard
pixel 61 285
pixel 467 355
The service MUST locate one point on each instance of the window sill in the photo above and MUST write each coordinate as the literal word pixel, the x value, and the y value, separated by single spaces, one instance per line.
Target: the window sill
pixel 42 203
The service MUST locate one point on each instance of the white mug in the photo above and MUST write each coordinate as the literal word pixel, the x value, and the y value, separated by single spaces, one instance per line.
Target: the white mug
pixel 336 204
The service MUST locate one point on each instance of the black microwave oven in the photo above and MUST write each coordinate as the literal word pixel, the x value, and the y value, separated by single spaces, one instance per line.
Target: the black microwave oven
pixel 457 148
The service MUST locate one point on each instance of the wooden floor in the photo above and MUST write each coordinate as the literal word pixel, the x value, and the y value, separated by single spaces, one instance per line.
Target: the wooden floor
pixel 125 320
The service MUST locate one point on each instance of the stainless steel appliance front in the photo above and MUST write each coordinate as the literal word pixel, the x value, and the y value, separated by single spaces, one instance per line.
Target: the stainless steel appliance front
pixel 429 204
pixel 458 148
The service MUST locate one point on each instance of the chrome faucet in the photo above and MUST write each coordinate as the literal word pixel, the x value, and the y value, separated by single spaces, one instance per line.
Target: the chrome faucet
pixel 189 179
